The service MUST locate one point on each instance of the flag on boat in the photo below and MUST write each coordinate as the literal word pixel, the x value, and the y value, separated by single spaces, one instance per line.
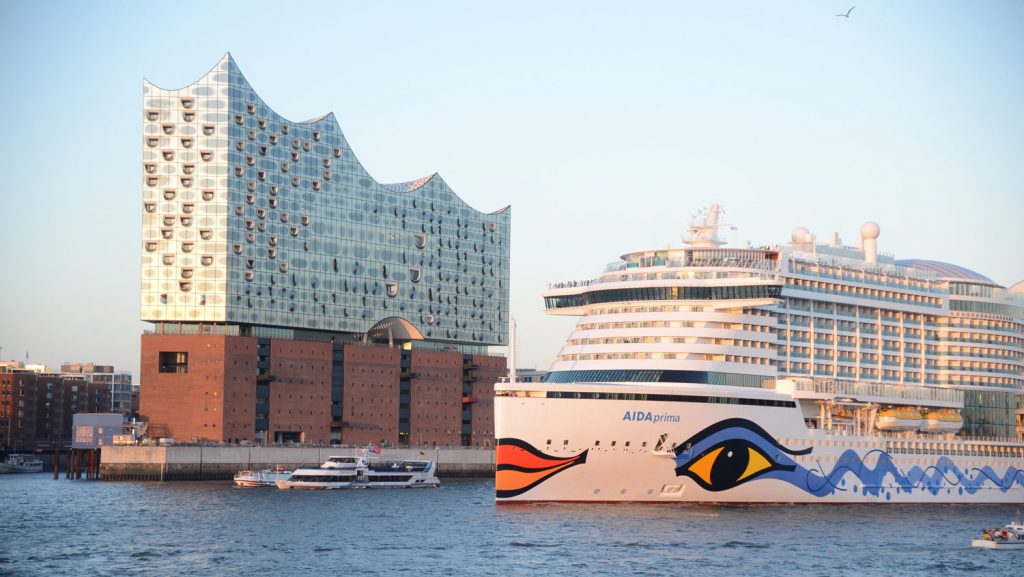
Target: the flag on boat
pixel 373 449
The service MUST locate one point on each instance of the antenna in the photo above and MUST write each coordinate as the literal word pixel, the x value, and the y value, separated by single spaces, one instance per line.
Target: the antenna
pixel 512 348
pixel 704 225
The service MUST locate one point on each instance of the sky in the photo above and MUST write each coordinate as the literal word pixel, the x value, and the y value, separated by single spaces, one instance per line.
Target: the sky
pixel 606 126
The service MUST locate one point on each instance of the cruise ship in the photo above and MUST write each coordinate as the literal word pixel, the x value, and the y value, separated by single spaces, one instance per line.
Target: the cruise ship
pixel 809 372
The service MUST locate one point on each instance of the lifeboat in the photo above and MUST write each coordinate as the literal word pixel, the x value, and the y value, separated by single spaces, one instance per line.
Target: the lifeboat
pixel 942 421
pixel 899 419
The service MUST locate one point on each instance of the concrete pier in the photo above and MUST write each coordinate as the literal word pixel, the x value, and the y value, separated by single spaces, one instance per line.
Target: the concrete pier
pixel 197 463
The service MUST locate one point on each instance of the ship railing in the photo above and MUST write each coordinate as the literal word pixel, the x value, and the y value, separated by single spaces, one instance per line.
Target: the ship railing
pixel 921 436
pixel 855 389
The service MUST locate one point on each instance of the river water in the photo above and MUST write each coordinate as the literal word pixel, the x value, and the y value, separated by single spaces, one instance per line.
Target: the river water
pixel 87 528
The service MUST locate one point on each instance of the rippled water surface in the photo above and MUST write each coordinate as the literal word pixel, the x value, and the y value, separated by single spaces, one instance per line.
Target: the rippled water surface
pixel 66 527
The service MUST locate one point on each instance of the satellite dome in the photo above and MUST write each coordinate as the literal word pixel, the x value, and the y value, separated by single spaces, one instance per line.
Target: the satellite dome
pixel 801 234
pixel 870 229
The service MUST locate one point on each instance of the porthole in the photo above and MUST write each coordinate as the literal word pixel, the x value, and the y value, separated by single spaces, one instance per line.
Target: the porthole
pixel 188 116
pixel 168 155
pixel 168 259
pixel 186 103
pixel 149 207
pixel 207 194
pixel 152 141
pixel 187 246
pixel 169 194
pixel 186 142
pixel 206 155
pixel 209 129
pixel 151 246
pixel 205 233
pixel 168 129
pixel 152 115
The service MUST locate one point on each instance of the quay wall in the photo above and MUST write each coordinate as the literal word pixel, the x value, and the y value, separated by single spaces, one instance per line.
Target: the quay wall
pixel 198 463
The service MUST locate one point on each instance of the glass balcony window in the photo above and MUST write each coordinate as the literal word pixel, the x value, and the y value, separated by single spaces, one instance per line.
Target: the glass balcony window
pixel 284 217
pixel 285 167
pixel 415 274
pixel 285 128
pixel 169 194
pixel 251 185
pixel 294 231
pixel 272 252
pixel 273 139
pixel 391 288
pixel 151 246
pixel 250 160
pixel 316 185
pixel 168 221
pixel 168 129
pixel 150 167
pixel 152 180
pixel 250 262
pixel 168 259
pixel 186 142
pixel 168 155
pixel 188 168
pixel 206 260
pixel 295 181
pixel 327 175
pixel 261 174
pixel 306 146
pixel 261 213
pixel 187 246
pixel 239 171
pixel 273 190
pixel 239 145
pixel 188 116
pixel 304 219
pixel 251 108
pixel 209 129
pixel 273 241
pixel 295 156
pixel 186 221
pixel 149 207
pixel 152 141
pixel 186 273
pixel 205 233
pixel 207 194
pixel 152 115
pixel 250 224
pixel 316 135
pixel 206 155
pixel 239 119
pixel 252 135
pixel 250 237
pixel 327 162
pixel 296 143
pixel 167 233
pixel 262 226
pixel 262 123
pixel 186 103
pixel 186 181
pixel 337 152
pixel 272 202
pixel 420 240
pixel 248 275
pixel 239 209
pixel 263 150
pixel 238 248
pixel 283 267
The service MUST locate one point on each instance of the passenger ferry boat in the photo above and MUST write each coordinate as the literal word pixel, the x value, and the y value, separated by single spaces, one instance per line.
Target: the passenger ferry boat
pixel 362 472
pixel 261 478
pixel 1008 537
pixel 807 372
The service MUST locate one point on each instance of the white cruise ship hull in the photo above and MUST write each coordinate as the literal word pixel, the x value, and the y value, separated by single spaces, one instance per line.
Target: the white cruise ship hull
pixel 725 445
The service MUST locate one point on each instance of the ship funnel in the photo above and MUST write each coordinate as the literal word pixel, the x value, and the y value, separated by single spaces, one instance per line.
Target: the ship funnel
pixel 869 241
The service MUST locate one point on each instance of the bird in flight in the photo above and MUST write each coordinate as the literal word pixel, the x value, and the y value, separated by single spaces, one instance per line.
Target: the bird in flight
pixel 847 15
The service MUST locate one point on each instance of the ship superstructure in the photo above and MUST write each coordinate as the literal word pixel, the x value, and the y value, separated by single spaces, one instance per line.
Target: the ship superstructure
pixel 840 372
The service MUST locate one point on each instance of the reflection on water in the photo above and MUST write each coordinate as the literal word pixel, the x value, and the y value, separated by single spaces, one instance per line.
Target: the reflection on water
pixel 211 528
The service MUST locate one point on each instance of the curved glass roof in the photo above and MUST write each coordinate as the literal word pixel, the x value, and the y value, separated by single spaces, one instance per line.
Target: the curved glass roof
pixel 945 270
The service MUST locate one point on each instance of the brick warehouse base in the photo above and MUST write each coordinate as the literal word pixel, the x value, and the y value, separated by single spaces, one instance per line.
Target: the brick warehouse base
pixel 224 388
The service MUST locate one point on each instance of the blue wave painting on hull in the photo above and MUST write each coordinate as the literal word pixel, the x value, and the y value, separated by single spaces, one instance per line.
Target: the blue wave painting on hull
pixel 734 451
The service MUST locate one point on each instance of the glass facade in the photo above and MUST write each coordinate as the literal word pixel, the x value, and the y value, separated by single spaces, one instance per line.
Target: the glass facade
pixel 251 219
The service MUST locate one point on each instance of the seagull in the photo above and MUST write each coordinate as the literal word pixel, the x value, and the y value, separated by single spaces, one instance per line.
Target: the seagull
pixel 847 15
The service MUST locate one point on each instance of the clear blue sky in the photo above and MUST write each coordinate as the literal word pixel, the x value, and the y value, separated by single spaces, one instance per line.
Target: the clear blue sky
pixel 604 124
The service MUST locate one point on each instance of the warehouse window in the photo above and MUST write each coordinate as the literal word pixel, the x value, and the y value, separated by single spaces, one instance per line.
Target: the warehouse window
pixel 173 362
